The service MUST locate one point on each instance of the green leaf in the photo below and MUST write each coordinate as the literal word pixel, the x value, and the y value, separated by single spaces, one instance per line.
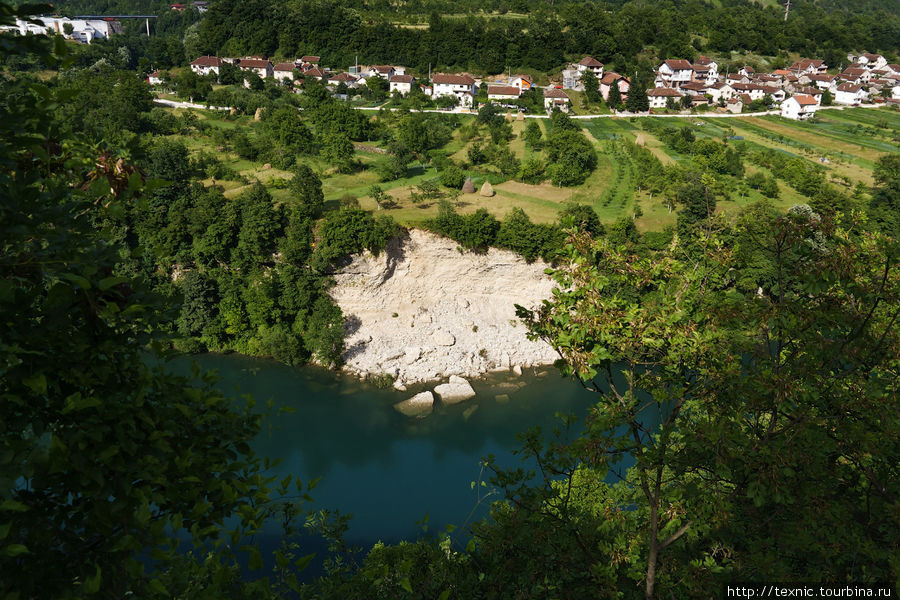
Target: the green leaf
pixel 256 561
pixel 303 562
pixel 78 280
pixel 36 383
pixel 14 506
pixel 92 584
pixel 109 282
pixel 157 586
pixel 404 583
pixel 15 550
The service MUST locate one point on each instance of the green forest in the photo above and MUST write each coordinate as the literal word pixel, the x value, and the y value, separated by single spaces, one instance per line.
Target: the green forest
pixel 762 337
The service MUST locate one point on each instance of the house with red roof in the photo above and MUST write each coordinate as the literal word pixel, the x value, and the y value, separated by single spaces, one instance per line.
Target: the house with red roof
pixel 556 98
pixel 205 65
pixel 401 83
pixel 460 85
pixel 673 73
pixel 799 107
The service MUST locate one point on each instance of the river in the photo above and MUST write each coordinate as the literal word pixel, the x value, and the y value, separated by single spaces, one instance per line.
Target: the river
pixel 387 469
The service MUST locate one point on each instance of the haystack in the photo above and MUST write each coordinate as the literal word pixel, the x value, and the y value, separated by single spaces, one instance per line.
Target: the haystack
pixel 520 116
pixel 468 187
pixel 487 190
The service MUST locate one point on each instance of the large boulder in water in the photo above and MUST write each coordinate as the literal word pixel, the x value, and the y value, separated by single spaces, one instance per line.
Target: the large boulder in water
pixel 487 190
pixel 419 405
pixel 456 390
pixel 468 187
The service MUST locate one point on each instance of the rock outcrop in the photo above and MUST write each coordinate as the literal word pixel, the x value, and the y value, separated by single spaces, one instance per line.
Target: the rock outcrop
pixel 456 390
pixel 422 311
pixel 419 405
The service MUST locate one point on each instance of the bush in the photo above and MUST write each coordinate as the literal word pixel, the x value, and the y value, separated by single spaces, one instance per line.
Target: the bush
pixel 453 177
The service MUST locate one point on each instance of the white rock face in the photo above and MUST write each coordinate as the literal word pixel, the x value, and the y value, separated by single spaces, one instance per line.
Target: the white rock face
pixel 419 405
pixel 455 311
pixel 456 390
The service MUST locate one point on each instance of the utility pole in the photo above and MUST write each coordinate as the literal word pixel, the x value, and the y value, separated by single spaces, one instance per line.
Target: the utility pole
pixel 787 9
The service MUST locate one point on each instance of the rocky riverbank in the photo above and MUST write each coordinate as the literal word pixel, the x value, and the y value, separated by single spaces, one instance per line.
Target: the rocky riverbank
pixel 423 311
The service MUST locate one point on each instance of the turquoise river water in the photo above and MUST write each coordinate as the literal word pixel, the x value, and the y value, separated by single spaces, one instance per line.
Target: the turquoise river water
pixel 387 469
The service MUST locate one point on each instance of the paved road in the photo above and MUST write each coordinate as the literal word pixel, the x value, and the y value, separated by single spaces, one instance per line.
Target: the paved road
pixel 176 104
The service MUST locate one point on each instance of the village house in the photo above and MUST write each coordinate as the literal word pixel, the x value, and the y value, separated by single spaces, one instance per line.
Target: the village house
pixel 659 96
pixel 856 75
pixel 850 94
pixel 571 79
pixel 733 78
pixel 284 71
pixel 747 71
pixel 589 63
pixel 556 98
pixel 705 75
pixel 460 86
pixel 735 106
pixel 893 68
pixel 154 78
pixel 705 61
pixel 308 61
pixel 895 92
pixel 815 92
pixel 824 82
pixel 808 66
pixel 674 73
pixel 349 80
pixel 523 82
pixel 719 91
pixel 206 65
pixel 693 88
pixel 315 73
pixel 611 78
pixel 261 67
pixel 503 93
pixel 383 71
pixel 799 107
pixel 401 83
pixel 872 61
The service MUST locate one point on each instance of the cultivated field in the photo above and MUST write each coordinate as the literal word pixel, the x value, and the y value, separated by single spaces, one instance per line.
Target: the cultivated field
pixel 847 143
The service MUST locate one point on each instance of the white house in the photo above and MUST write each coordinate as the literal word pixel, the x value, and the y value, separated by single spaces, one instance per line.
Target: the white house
pixel 720 91
pixel 348 79
pixel 589 63
pixel 705 61
pixel 503 93
pixel 856 75
pixel 571 80
pixel 154 78
pixel 659 96
pixel 261 67
pixel 523 82
pixel 461 86
pixel 808 66
pixel 824 82
pixel 799 107
pixel 872 61
pixel 383 71
pixel 82 30
pixel 284 71
pixel 401 83
pixel 676 72
pixel 850 93
pixel 206 65
pixel 895 92
pixel 556 98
